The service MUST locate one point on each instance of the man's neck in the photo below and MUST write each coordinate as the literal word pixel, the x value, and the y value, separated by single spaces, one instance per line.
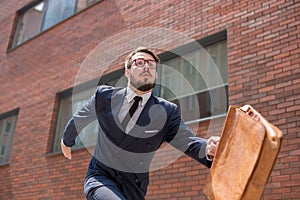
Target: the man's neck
pixel 139 92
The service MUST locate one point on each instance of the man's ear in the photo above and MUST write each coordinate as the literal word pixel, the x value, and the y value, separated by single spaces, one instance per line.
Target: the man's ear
pixel 127 71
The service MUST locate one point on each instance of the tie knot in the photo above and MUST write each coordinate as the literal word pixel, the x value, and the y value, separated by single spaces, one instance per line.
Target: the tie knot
pixel 137 98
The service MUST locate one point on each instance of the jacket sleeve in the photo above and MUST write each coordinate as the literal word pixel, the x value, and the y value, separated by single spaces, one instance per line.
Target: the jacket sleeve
pixel 78 121
pixel 183 139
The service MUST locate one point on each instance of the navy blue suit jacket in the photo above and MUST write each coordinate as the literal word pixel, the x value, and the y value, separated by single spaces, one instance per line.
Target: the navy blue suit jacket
pixel 125 158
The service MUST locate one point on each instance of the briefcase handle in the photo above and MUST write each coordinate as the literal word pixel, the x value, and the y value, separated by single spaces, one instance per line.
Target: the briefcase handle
pixel 273 132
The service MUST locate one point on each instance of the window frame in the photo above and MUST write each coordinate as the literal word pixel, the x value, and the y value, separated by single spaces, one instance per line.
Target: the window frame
pixel 79 88
pixel 4 116
pixel 188 48
pixel 13 43
pixel 205 42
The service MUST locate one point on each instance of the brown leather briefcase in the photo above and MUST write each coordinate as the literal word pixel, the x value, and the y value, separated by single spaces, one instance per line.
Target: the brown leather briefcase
pixel 245 157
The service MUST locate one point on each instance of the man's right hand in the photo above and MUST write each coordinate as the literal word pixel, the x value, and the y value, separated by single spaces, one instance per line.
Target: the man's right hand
pixel 212 146
pixel 66 150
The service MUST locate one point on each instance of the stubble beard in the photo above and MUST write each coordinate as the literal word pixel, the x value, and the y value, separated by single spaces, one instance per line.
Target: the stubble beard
pixel 142 85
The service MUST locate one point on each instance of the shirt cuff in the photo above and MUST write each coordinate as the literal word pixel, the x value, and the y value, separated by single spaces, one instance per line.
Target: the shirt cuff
pixel 210 158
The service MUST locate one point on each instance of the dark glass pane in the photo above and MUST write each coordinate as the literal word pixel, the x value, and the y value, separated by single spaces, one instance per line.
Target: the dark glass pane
pixel 29 24
pixel 57 11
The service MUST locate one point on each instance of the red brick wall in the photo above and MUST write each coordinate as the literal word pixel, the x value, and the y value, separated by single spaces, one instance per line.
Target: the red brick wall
pixel 263 69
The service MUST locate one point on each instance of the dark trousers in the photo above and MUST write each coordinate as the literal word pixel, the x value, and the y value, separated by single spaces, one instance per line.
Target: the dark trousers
pixel 101 188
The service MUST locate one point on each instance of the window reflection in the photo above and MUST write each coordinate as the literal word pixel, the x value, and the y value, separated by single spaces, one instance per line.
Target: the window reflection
pixel 197 81
pixel 44 15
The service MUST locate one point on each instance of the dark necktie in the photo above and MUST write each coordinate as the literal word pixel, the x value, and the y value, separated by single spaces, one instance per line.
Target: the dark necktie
pixel 132 110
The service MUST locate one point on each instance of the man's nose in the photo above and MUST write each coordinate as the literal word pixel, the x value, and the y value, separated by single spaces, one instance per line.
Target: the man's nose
pixel 148 67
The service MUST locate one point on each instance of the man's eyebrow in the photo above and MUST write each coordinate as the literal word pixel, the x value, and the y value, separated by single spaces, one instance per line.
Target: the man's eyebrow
pixel 144 58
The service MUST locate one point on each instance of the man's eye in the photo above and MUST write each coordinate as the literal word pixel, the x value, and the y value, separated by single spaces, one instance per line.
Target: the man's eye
pixel 151 64
pixel 140 63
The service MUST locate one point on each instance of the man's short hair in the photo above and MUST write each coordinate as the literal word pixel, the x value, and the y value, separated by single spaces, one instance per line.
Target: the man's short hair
pixel 128 60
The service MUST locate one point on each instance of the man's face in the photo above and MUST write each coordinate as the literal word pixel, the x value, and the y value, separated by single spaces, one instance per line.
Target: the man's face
pixel 142 74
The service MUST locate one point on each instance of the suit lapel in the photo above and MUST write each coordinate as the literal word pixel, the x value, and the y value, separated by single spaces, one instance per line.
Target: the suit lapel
pixel 112 107
pixel 117 100
pixel 143 122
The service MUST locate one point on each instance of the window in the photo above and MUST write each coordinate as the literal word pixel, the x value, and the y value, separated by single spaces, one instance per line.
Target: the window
pixel 70 103
pixel 198 83
pixel 40 15
pixel 7 129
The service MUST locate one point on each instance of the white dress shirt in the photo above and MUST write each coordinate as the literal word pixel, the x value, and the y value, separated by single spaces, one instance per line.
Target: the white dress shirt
pixel 128 101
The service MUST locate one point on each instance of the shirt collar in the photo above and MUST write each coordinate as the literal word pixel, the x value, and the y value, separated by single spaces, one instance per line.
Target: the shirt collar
pixel 131 94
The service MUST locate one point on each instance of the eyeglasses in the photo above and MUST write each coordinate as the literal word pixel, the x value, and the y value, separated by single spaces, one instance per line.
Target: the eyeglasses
pixel 140 63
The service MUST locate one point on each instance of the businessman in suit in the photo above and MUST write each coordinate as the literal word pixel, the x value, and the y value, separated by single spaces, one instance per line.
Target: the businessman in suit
pixel 133 125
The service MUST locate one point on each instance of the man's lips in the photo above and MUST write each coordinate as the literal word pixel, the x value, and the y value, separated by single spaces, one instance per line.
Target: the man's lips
pixel 146 74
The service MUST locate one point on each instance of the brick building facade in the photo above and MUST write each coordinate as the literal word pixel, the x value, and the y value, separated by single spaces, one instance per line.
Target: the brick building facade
pixel 261 44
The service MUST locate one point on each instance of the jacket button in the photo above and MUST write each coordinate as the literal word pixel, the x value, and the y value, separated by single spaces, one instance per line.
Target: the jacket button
pixel 141 162
pixel 137 180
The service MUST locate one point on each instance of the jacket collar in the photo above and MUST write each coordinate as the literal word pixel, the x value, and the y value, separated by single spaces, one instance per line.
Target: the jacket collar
pixel 130 94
